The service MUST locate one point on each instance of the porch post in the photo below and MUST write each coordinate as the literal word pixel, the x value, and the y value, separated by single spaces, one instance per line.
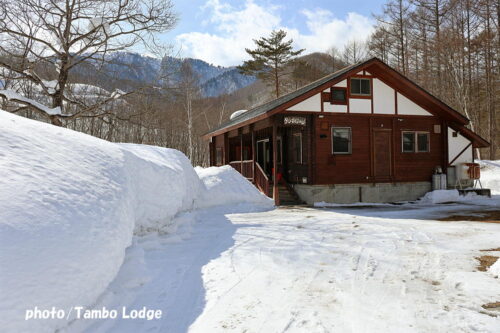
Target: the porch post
pixel 226 148
pixel 253 152
pixel 241 150
pixel 275 164
pixel 211 159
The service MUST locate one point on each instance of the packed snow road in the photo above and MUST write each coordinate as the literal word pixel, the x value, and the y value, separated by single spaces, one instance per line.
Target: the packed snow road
pixel 380 269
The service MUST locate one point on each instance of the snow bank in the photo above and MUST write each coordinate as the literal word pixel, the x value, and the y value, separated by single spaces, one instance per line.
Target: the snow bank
pixel 440 196
pixel 226 186
pixel 162 184
pixel 323 204
pixel 490 175
pixel 495 268
pixel 69 204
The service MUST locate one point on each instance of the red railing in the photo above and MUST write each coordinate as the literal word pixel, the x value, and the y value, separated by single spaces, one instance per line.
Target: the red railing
pixel 261 180
pixel 245 168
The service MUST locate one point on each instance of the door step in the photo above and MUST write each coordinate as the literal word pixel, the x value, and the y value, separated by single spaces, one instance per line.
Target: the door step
pixel 287 196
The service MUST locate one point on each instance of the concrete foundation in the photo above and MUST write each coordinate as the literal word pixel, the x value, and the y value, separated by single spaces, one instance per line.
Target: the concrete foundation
pixel 351 193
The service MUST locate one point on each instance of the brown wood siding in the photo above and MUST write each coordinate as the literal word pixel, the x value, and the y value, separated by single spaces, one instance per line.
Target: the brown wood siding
pixel 359 166
pixel 219 143
pixel 418 166
pixel 342 169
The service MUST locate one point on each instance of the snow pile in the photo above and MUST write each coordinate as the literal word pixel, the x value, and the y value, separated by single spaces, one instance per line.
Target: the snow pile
pixel 225 186
pixel 443 196
pixel 162 184
pixel 69 204
pixel 490 175
pixel 440 196
pixel 495 268
pixel 324 204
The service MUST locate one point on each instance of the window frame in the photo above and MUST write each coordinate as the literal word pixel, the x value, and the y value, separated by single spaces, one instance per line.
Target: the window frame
pixel 415 141
pixel 360 94
pixel 298 134
pixel 338 102
pixel 333 128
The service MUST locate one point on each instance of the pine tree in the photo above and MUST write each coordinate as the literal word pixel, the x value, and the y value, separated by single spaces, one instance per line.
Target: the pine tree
pixel 271 60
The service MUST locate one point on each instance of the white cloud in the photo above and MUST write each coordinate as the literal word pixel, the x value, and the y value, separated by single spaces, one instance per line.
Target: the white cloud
pixel 236 28
pixel 326 30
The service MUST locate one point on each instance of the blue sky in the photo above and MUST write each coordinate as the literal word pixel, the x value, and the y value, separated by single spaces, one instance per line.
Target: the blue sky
pixel 218 31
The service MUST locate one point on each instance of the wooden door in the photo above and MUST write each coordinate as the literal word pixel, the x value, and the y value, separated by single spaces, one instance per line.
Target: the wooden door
pixel 382 153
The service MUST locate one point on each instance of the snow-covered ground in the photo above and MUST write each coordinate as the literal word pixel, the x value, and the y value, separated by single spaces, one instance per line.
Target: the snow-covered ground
pixel 490 175
pixel 85 222
pixel 382 269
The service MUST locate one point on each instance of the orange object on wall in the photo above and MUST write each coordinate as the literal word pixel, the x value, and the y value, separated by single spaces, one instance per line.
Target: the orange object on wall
pixel 474 170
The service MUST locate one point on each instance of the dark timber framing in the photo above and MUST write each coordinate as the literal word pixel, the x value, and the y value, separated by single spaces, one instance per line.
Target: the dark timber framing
pixel 370 131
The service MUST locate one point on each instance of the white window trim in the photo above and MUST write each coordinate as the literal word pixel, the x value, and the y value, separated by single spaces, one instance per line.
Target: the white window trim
pixel 257 156
pixel 350 140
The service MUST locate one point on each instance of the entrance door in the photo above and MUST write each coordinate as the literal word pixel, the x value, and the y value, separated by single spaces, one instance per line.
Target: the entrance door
pixel 382 153
pixel 264 155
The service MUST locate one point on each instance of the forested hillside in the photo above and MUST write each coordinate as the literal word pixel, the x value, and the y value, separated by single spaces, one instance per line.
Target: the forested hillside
pixel 451 48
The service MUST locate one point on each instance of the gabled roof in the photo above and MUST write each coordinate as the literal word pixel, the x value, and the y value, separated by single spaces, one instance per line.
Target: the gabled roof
pixel 262 109
pixel 376 67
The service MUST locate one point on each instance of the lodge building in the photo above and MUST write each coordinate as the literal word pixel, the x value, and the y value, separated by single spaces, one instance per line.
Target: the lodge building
pixel 365 133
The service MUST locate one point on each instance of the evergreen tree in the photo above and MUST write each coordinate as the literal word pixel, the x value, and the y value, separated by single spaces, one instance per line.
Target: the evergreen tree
pixel 271 60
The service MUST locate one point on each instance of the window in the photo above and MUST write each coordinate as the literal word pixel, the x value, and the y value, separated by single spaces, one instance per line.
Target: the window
pixel 422 142
pixel 339 96
pixel 415 142
pixel 408 142
pixel 341 140
pixel 218 156
pixel 360 87
pixel 297 147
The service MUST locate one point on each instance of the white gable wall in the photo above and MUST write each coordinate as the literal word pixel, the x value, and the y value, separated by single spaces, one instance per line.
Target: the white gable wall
pixel 360 105
pixel 313 104
pixel 383 102
pixel 383 98
pixel 341 84
pixel 327 107
pixel 407 107
pixel 456 145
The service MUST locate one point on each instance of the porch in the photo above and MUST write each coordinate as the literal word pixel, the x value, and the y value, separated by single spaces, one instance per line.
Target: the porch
pixel 256 149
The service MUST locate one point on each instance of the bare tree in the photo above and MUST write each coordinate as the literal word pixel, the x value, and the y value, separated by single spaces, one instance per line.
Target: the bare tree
pixel 189 90
pixel 59 35
pixel 451 48
pixel 334 53
pixel 354 52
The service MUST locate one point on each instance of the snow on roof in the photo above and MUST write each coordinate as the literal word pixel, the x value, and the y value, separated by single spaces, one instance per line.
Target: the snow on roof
pixel 237 113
